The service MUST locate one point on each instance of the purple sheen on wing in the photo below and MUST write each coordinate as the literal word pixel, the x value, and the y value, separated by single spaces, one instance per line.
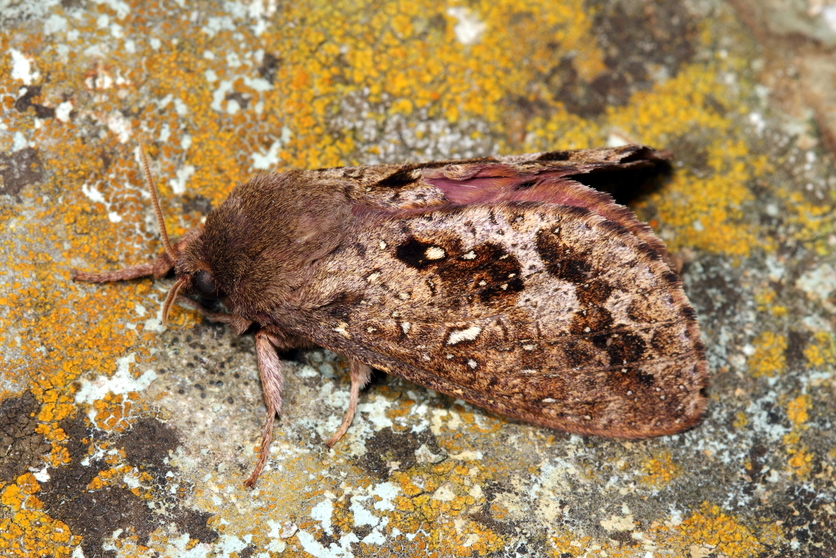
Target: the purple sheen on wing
pixel 492 185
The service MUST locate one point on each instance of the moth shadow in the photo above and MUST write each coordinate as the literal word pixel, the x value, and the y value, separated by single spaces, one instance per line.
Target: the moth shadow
pixel 631 185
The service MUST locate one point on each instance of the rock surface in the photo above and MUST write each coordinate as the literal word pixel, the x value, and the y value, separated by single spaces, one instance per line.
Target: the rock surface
pixel 119 438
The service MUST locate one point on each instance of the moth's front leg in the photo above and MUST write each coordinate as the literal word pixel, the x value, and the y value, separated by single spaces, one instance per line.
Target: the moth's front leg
pixel 161 265
pixel 270 370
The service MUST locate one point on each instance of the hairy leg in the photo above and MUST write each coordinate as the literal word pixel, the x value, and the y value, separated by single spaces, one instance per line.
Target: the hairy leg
pixel 360 374
pixel 270 370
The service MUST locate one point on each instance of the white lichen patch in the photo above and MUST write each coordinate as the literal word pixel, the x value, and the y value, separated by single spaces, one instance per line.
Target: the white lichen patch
pixel 620 522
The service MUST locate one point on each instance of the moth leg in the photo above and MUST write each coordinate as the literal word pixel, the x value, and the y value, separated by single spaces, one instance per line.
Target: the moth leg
pixel 161 265
pixel 158 268
pixel 360 375
pixel 270 370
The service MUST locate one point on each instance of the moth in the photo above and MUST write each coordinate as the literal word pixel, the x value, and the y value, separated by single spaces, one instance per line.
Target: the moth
pixel 503 281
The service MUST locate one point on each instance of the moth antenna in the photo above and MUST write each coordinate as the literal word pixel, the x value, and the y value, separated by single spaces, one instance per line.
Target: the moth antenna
pixel 169 300
pixel 149 182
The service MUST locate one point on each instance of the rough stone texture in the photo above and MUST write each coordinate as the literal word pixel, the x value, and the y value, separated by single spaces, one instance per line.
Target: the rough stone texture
pixel 121 439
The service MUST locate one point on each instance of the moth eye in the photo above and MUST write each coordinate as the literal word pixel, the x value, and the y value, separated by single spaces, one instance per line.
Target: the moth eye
pixel 205 283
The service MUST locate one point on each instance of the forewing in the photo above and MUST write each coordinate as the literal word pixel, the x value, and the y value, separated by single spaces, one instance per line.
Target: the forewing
pixel 547 313
pixel 556 177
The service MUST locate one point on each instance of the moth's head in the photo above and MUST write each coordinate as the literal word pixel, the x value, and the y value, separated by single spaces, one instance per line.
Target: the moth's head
pixel 194 274
pixel 198 280
pixel 187 255
pixel 202 284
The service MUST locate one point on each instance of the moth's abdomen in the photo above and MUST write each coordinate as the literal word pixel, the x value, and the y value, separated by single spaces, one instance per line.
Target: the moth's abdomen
pixel 550 314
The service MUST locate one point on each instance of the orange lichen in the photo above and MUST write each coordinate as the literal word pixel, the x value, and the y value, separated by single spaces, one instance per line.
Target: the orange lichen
pixel 659 470
pixel 393 69
pixel 116 412
pixel 800 461
pixel 33 533
pixel 29 531
pixel 708 529
pixel 446 495
pixel 565 544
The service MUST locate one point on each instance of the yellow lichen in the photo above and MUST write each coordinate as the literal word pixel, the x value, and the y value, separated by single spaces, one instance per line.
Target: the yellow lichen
pixel 810 220
pixel 346 69
pixel 769 357
pixel 766 301
pixel 740 420
pixel 800 461
pixel 659 470
pixel 797 410
pixel 710 528
pixel 821 352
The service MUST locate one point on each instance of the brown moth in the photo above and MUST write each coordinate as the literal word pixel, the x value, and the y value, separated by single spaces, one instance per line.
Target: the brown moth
pixel 503 281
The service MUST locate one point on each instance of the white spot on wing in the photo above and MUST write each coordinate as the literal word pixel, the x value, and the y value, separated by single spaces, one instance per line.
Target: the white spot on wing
pixel 341 329
pixel 435 253
pixel 469 256
pixel 406 326
pixel 460 335
pixel 472 363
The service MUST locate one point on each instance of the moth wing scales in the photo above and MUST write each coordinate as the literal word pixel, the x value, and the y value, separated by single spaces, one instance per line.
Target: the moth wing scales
pixel 583 389
pixel 550 177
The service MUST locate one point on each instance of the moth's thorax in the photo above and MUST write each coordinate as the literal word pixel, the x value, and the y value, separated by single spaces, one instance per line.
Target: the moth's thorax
pixel 260 245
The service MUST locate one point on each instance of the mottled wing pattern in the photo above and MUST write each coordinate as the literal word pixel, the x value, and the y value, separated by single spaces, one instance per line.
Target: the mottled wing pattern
pixel 555 177
pixel 547 313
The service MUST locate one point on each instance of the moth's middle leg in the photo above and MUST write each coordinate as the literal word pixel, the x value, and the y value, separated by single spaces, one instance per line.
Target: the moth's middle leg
pixel 360 375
